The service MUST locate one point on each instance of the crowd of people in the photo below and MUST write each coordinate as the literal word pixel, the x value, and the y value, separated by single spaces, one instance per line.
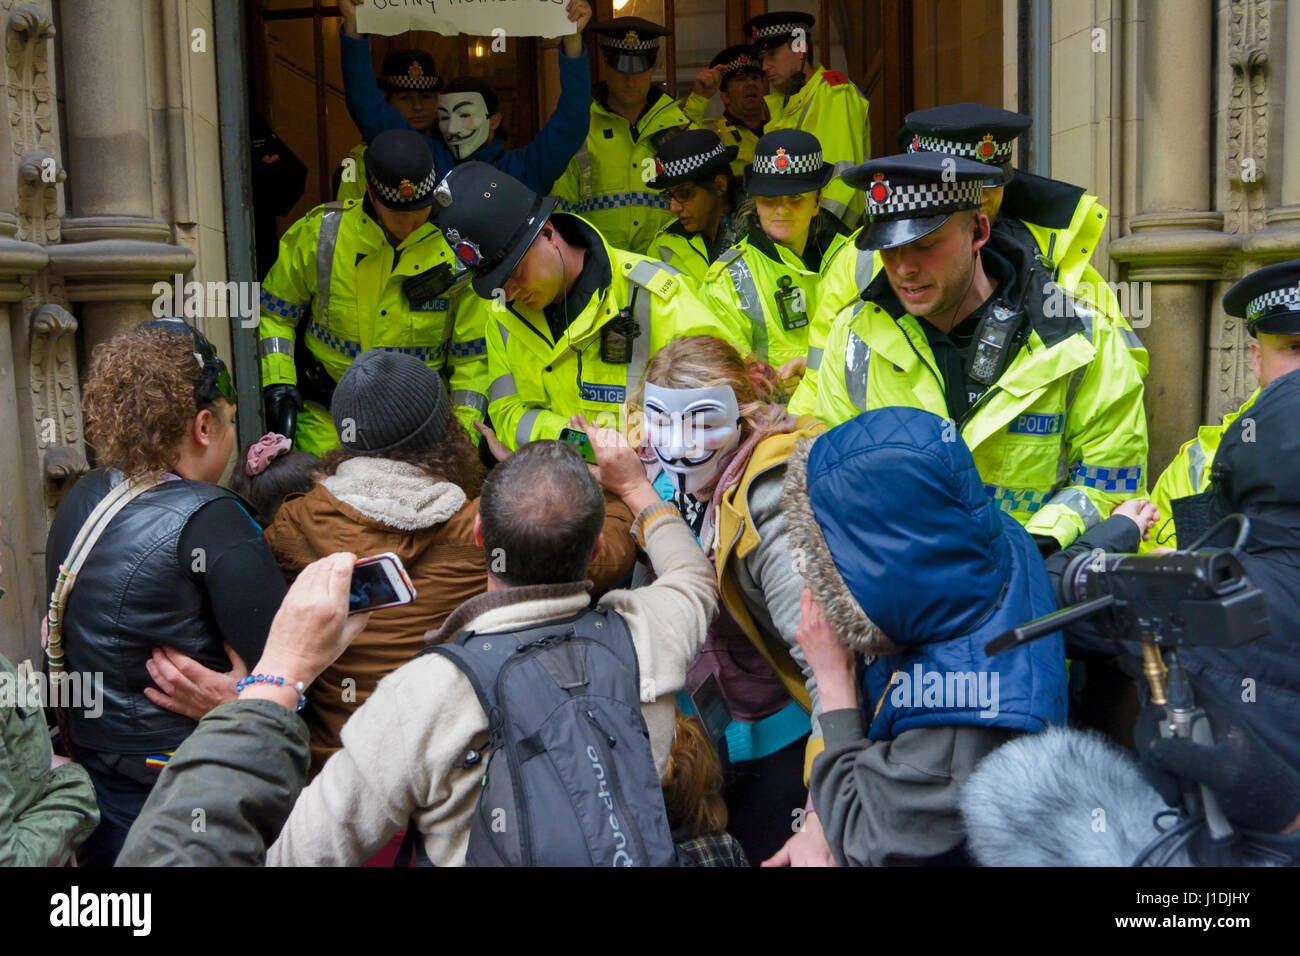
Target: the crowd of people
pixel 714 454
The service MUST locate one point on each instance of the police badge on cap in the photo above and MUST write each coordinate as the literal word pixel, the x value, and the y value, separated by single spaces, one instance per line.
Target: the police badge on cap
pixel 985 134
pixel 400 170
pixel 409 70
pixel 786 163
pixel 629 44
pixel 911 195
pixel 772 29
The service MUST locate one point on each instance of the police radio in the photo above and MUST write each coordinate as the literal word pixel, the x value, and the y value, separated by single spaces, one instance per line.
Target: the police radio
pixel 995 344
pixel 428 285
pixel 790 305
pixel 616 337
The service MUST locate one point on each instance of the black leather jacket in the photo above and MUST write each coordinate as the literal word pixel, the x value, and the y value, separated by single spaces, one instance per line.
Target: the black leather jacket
pixel 132 595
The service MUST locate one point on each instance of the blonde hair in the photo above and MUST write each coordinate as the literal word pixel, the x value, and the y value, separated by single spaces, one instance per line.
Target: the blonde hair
pixel 703 361
pixel 692 782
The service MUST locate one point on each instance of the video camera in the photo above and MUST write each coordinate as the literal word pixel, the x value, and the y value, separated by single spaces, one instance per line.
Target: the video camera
pixel 1193 598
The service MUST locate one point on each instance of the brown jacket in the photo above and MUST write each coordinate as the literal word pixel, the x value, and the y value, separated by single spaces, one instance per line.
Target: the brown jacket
pixel 373 505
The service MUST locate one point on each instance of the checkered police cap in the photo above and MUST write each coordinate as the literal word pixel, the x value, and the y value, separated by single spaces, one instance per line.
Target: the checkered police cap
pixel 776 30
pixel 675 168
pixel 912 200
pixel 405 191
pixel 629 42
pixel 782 163
pixel 1287 297
pixel 988 150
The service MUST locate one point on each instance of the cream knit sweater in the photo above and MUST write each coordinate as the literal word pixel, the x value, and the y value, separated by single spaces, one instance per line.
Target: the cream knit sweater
pixel 401 747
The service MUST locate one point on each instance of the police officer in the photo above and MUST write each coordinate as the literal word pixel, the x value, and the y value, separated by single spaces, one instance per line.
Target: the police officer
pixel 353 276
pixel 630 118
pixel 466 114
pixel 410 83
pixel 1269 301
pixel 769 280
pixel 965 322
pixel 1053 219
pixel 824 103
pixel 575 318
pixel 693 169
pixel 736 76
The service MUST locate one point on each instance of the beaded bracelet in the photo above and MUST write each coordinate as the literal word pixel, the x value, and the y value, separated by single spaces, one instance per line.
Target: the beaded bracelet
pixel 251 679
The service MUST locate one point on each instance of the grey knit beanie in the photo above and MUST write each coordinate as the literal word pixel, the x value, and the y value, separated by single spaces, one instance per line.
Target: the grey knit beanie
pixel 387 401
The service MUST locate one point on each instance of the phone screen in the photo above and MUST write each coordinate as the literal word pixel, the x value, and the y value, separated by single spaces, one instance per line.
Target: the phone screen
pixel 370 587
pixel 580 441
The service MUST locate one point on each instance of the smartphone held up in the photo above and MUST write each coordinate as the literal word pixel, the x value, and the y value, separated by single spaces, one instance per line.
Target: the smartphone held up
pixel 377 582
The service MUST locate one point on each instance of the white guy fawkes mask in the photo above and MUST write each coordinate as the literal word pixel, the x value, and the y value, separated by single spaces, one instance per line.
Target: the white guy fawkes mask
pixel 692 431
pixel 464 122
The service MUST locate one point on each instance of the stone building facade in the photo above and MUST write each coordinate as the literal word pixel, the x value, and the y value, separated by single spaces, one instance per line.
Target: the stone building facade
pixel 1181 115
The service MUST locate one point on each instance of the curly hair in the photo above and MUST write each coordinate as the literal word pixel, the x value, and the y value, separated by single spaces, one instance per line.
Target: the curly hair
pixel 454 459
pixel 692 781
pixel 701 361
pixel 140 399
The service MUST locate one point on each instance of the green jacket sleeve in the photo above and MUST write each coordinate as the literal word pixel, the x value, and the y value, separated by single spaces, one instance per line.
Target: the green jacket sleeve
pixel 287 293
pixel 226 792
pixel 44 813
pixel 831 400
pixel 515 422
pixel 467 360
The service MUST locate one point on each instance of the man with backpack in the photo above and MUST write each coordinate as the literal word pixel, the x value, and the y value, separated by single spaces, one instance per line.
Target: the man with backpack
pixel 422 747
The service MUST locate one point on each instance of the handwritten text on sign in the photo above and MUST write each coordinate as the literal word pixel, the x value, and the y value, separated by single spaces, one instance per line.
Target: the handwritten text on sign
pixel 482 18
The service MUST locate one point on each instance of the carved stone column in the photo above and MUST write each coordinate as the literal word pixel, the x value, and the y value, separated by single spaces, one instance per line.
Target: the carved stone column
pixel 1281 240
pixel 1176 242
pixel 113 249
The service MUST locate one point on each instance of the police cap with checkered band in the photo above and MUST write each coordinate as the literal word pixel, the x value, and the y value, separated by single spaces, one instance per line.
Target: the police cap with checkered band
pixel 787 162
pixel 400 171
pixel 629 44
pixel 1268 299
pixel 690 156
pixel 911 195
pixel 737 59
pixel 489 219
pixel 409 70
pixel 768 30
pixel 985 134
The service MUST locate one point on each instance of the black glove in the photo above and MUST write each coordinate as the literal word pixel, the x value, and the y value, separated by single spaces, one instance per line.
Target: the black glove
pixel 1256 789
pixel 283 403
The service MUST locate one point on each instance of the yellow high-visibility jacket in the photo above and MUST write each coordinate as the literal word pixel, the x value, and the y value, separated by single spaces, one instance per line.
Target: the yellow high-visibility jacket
pixel 745 280
pixel 1188 474
pixel 338 272
pixel 538 382
pixel 1059 439
pixel 732 132
pixel 835 111
pixel 605 182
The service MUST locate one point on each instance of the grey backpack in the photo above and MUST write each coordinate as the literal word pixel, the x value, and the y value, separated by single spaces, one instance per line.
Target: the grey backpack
pixel 569 779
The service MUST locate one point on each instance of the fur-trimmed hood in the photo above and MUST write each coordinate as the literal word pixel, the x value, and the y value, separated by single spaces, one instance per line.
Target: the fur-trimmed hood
pixel 911 562
pixel 395 493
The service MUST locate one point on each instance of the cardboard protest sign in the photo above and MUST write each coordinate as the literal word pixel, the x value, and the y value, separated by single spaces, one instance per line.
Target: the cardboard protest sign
pixel 483 18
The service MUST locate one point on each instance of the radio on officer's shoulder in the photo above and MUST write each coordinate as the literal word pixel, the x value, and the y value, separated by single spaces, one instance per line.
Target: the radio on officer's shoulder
pixel 616 337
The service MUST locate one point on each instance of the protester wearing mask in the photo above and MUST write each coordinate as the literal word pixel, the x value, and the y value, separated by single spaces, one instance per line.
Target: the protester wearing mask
pixel 770 280
pixel 182 565
pixel 572 319
pixel 406 480
pixel 537 165
pixel 692 170
pixel 721 438
pixel 911 566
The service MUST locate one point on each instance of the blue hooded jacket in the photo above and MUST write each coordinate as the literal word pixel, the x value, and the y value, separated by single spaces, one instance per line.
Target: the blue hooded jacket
pixel 940 571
